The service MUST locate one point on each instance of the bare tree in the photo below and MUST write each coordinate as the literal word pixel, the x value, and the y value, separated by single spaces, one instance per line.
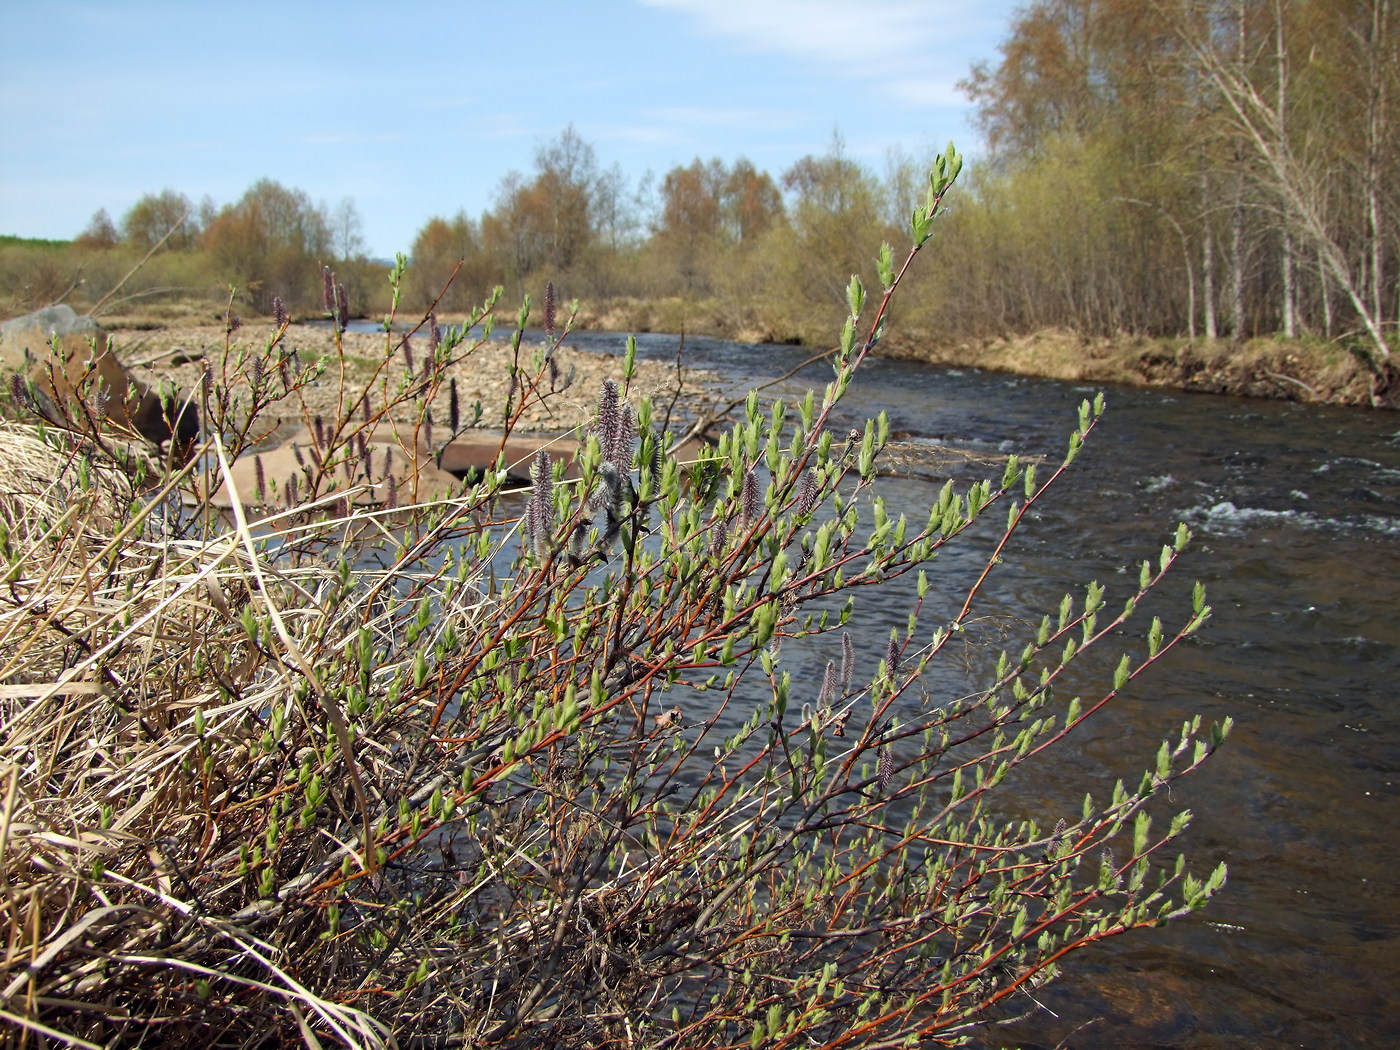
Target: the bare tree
pixel 347 230
pixel 1260 122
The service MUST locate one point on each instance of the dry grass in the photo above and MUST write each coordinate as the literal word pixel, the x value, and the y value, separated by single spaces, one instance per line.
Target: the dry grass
pixel 519 768
pixel 133 704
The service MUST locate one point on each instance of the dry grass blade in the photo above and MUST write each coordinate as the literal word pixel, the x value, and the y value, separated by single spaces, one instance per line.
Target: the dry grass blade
pixel 30 1025
pixel 525 767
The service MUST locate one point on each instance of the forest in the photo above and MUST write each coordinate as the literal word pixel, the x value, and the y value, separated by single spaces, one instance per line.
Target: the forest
pixel 1178 171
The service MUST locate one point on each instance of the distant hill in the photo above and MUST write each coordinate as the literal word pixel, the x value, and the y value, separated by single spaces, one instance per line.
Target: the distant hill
pixel 9 240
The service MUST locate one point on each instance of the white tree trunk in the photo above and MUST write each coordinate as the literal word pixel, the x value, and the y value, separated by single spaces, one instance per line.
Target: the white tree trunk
pixel 1300 192
pixel 1208 270
pixel 1326 283
pixel 1290 321
pixel 1237 252
pixel 1375 110
pixel 1290 294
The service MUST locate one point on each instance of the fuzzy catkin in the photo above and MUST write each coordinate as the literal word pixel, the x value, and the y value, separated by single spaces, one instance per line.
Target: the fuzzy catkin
pixel 608 399
pixel 719 533
pixel 807 493
pixel 827 693
pixel 749 505
pixel 848 662
pixel 607 493
pixel 541 506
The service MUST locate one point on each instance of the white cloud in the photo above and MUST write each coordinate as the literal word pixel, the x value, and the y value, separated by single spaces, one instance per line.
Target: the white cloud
pixel 639 134
pixel 913 50
pixel 926 91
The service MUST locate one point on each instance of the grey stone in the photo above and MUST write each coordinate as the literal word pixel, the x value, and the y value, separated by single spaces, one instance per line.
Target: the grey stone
pixel 25 339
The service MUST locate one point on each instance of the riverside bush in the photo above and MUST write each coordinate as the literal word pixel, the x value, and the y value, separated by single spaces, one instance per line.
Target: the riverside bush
pixel 532 767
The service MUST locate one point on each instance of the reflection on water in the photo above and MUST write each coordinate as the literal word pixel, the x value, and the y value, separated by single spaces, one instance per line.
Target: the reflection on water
pixel 1296 511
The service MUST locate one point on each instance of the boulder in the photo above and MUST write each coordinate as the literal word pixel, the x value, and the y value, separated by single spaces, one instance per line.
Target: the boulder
pixel 86 362
pixel 26 338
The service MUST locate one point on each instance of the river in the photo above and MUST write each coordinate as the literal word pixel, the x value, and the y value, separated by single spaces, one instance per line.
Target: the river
pixel 1296 514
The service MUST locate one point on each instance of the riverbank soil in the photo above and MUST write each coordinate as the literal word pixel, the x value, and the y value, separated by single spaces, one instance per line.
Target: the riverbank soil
pixel 1306 369
pixel 1290 370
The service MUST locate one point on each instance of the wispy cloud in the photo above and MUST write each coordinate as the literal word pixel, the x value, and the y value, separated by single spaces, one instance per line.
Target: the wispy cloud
pixel 720 116
pixel 904 47
pixel 504 125
pixel 661 134
pixel 925 91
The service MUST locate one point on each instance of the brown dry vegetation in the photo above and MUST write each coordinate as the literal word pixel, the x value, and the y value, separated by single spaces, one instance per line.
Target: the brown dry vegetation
pixel 517 767
pixel 1293 370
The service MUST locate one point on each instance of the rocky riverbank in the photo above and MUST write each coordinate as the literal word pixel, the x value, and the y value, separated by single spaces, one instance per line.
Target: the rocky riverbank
pixel 1295 370
pixel 178 353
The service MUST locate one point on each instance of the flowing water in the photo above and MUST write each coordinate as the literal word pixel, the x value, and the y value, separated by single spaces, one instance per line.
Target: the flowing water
pixel 1296 514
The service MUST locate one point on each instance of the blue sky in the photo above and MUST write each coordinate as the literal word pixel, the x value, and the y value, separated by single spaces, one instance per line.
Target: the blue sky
pixel 415 108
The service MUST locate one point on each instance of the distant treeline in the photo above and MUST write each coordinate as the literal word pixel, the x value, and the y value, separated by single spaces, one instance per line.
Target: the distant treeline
pixel 1194 168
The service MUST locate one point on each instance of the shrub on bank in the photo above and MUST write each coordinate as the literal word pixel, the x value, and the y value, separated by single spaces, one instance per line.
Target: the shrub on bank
pixel 532 766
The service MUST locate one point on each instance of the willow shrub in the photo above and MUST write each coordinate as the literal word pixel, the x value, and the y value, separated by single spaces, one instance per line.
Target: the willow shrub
pixel 529 767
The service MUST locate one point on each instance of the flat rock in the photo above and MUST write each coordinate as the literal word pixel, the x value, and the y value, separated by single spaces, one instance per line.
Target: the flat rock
pixel 478 450
pixel 287 471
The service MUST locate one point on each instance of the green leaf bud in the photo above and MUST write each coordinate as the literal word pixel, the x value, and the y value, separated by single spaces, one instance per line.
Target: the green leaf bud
pixel 855 295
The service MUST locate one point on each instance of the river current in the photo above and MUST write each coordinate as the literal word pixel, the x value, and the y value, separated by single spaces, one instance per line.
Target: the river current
pixel 1295 511
pixel 1296 515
